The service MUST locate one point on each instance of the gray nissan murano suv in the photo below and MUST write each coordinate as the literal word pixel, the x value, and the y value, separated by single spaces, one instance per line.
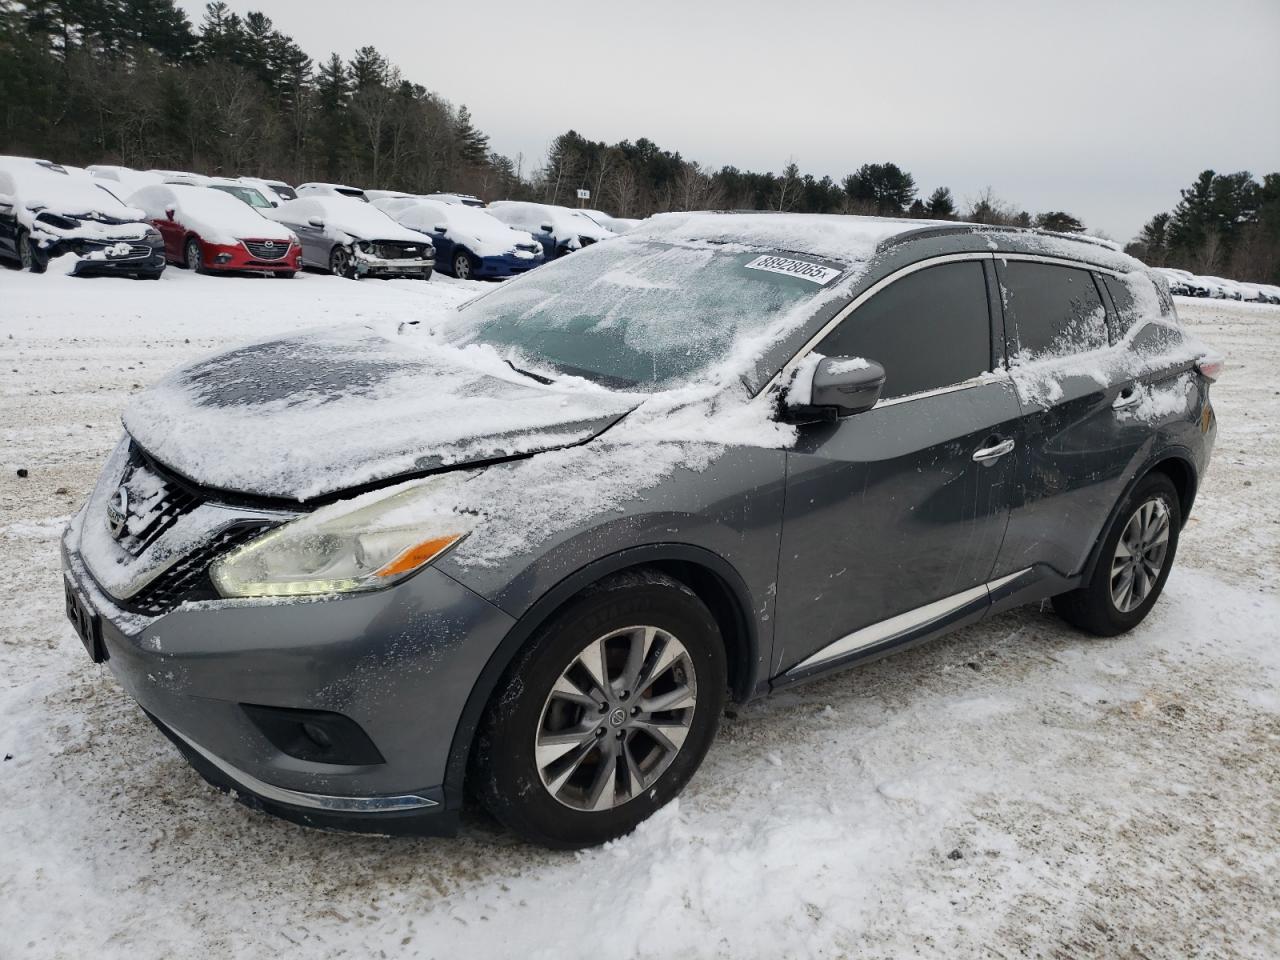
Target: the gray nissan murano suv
pixel 522 552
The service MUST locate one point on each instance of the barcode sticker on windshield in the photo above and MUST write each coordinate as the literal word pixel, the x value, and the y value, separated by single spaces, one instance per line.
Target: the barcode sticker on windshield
pixel 813 272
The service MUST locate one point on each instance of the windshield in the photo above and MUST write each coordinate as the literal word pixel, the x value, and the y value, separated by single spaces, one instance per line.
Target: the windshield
pixel 249 195
pixel 642 314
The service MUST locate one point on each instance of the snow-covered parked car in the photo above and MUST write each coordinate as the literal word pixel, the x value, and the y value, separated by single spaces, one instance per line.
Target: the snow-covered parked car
pixel 461 199
pixel 560 230
pixel 208 230
pixel 611 223
pixel 523 551
pixel 256 197
pixel 469 243
pixel 330 190
pixel 277 191
pixel 46 212
pixel 352 238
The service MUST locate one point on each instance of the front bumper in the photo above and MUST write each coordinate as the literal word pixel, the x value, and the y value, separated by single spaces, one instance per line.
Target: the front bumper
pixel 238 258
pixel 123 257
pixel 399 663
pixel 367 265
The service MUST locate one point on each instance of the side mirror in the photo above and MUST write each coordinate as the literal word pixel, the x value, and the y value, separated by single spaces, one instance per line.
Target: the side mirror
pixel 316 222
pixel 169 212
pixel 547 228
pixel 441 228
pixel 833 388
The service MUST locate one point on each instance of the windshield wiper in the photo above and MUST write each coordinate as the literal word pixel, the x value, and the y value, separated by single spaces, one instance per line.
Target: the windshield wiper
pixel 530 374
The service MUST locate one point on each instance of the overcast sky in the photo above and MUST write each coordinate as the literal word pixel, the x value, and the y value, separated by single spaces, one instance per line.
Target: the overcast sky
pixel 1104 109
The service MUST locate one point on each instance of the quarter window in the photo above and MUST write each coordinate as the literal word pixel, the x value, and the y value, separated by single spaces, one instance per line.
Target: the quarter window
pixel 1055 310
pixel 928 330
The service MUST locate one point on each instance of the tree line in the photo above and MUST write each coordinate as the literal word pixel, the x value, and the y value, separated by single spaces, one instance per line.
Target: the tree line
pixel 1225 224
pixel 134 82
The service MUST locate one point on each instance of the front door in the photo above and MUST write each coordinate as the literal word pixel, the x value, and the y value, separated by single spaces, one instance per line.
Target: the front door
pixel 897 515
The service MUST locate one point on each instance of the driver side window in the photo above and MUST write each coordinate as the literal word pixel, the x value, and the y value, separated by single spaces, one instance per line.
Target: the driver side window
pixel 929 329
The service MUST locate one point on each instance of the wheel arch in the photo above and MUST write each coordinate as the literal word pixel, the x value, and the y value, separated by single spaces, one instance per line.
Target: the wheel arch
pixel 710 576
pixel 1177 464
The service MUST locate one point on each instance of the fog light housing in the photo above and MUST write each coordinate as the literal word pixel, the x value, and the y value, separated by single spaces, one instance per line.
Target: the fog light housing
pixel 318 736
pixel 222 258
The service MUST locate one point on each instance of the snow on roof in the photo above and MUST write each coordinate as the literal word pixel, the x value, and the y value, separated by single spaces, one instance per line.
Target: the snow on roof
pixel 355 217
pixel 38 186
pixel 838 237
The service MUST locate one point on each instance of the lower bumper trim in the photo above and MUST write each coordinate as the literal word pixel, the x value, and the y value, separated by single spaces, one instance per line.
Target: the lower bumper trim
pixel 300 798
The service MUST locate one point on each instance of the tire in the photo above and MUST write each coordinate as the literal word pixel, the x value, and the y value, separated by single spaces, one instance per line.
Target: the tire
pixel 625 613
pixel 286 274
pixel 340 262
pixel 192 258
pixel 32 258
pixel 1101 606
pixel 462 267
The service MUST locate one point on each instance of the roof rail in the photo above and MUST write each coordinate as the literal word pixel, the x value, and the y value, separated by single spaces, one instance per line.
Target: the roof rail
pixel 952 229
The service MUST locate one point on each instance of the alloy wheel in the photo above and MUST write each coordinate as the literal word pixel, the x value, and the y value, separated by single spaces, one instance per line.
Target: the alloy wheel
pixel 193 254
pixel 25 255
pixel 1140 555
pixel 616 718
pixel 339 262
pixel 462 267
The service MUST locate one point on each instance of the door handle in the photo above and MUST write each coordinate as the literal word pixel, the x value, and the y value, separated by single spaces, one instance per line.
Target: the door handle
pixel 1128 395
pixel 993 452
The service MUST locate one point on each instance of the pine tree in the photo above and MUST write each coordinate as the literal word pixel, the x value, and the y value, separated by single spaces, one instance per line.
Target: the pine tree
pixel 473 146
pixel 941 205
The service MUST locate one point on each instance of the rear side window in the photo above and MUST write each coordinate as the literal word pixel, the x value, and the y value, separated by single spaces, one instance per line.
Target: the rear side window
pixel 1137 298
pixel 928 330
pixel 1055 311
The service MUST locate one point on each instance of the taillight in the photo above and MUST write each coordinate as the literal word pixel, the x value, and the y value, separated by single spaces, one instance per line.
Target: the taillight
pixel 1211 366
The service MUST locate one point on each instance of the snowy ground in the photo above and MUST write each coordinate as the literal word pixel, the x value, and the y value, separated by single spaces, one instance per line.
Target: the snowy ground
pixel 1017 790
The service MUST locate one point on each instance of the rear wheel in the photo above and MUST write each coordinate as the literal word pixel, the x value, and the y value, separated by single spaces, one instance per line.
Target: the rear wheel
pixel 193 259
pixel 606 714
pixel 1133 565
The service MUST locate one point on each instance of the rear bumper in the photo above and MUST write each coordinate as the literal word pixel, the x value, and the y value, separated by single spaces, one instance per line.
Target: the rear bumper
pixel 397 664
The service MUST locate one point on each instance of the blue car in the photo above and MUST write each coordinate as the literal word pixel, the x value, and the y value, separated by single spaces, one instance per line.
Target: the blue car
pixel 470 244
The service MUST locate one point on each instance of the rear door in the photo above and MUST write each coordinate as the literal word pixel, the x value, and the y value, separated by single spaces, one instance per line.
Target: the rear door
pixel 1077 449
pixel 8 216
pixel 894 517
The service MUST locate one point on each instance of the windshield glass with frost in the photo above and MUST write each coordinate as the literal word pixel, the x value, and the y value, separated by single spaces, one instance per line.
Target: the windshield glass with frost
pixel 643 314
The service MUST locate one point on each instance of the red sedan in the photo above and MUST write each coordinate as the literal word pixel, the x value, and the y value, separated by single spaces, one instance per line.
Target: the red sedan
pixel 206 229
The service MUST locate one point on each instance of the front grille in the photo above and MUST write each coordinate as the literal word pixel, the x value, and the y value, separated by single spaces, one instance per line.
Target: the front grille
pixel 266 249
pixel 152 504
pixel 399 251
pixel 188 579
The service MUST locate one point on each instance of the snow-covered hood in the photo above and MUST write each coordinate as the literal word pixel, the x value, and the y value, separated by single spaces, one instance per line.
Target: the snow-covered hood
pixel 313 415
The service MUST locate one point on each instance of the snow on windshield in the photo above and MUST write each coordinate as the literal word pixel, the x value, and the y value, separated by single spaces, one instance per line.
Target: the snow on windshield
pixel 644 314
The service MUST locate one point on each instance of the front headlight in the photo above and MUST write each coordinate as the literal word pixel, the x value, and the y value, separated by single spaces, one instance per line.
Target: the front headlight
pixel 364 544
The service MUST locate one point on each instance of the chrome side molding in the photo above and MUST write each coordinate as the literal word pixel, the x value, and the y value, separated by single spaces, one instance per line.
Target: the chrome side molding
pixel 903 623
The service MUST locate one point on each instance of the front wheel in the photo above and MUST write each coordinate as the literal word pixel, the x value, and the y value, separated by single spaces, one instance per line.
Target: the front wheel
pixel 193 259
pixel 462 266
pixel 606 714
pixel 1133 565
pixel 340 263
pixel 31 256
